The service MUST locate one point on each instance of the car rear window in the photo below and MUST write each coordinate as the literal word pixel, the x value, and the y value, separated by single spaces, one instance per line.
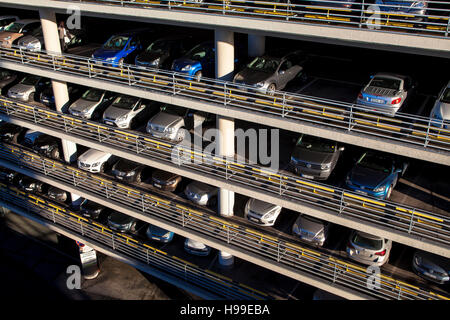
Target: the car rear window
pixel 373 244
pixel 386 83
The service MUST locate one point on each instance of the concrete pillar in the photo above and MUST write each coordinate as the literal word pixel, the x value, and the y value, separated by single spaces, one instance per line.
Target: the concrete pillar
pixel 53 45
pixel 224 41
pixel 256 45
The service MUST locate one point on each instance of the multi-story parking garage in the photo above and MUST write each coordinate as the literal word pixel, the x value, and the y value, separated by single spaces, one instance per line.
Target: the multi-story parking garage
pixel 392 214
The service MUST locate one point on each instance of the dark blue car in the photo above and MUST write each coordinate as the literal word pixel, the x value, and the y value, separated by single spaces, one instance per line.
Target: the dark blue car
pixel 120 48
pixel 198 62
pixel 159 234
pixel 375 174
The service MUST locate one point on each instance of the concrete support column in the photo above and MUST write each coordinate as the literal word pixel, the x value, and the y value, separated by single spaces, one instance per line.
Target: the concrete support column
pixel 53 45
pixel 224 41
pixel 256 45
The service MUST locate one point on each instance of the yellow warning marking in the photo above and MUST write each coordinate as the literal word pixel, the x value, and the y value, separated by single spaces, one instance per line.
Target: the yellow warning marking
pixel 184 261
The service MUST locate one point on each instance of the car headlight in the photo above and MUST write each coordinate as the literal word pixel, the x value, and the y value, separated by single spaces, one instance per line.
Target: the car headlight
pixel 96 164
pixel 155 62
pixel 325 166
pixel 204 198
pixel 270 215
pixel 171 129
pixel 260 84
pixel 122 118
pixel 110 59
pixel 379 189
pixel 170 182
pixel 186 68
pixel 34 46
pixel 131 173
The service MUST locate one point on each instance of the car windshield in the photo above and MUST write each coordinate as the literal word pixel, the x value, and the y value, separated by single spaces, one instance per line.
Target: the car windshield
pixel 375 162
pixel 5 74
pixel 30 80
pixel 316 144
pixel 446 96
pixel 15 27
pixel 125 102
pixel 386 83
pixel 178 111
pixel 373 244
pixel 264 64
pixel 92 95
pixel 199 52
pixel 116 43
pixel 158 46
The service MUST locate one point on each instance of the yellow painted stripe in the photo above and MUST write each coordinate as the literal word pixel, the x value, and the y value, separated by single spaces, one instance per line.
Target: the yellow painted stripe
pixel 155 250
pixel 315 186
pixel 96 125
pixel 428 216
pixel 317 16
pixel 218 275
pixel 262 236
pixel 184 261
pixel 364 199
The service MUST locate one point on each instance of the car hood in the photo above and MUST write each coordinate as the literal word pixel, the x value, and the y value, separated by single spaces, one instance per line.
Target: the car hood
pixel 91 206
pixel 163 175
pixel 381 92
pixel 367 177
pixel 200 188
pixel 309 156
pixel 310 224
pixel 26 40
pixel 444 109
pixel 165 119
pixel 114 112
pixel 92 156
pixel 150 56
pixel 260 207
pixel 181 63
pixel 13 35
pixel 124 165
pixel 105 54
pixel 55 191
pixel 20 88
pixel 120 218
pixel 251 77
pixel 82 105
pixel 195 244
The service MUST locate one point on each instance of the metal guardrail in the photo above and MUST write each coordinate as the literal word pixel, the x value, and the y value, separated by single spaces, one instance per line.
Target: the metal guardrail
pixel 131 246
pixel 429 133
pixel 276 249
pixel 355 14
pixel 396 217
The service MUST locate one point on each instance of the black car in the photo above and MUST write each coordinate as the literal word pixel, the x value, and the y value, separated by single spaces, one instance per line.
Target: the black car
pixel 31 185
pixel 129 171
pixel 10 132
pixel 8 175
pixel 121 222
pixel 48 146
pixel 48 98
pixel 165 180
pixel 57 194
pixel 161 53
pixel 91 209
pixel 8 78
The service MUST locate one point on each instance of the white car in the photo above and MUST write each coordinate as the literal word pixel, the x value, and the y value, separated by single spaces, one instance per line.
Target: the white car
pixel 368 249
pixel 126 112
pixel 261 213
pixel 94 161
pixel 91 103
pixel 196 248
pixel 441 110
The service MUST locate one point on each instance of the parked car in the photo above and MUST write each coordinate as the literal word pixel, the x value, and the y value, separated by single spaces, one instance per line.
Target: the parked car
pixel 8 78
pixel 127 112
pixel 95 161
pixel 10 132
pixel 314 157
pixel 311 229
pixel 47 97
pixel 29 137
pixel 159 234
pixel 261 213
pixel 120 48
pixel 165 180
pixel 201 193
pixel 368 249
pixel 48 146
pixel 91 104
pixel 28 88
pixel 346 4
pixel 196 248
pixel 268 73
pixel 8 176
pixel 130 171
pixel 417 8
pixel 32 42
pixel 17 29
pixel 375 174
pixel 431 267
pixel 197 62
pixel 161 53
pixel 386 93
pixel 6 21
pixel 121 222
pixel 32 185
pixel 57 194
pixel 91 209
pixel 441 109
pixel 170 123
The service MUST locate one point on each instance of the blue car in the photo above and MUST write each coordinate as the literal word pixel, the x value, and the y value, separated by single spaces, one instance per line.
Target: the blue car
pixel 375 174
pixel 119 49
pixel 198 62
pixel 159 234
pixel 416 8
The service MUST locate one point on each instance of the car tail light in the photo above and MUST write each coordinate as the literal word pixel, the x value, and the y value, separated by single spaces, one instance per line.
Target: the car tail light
pixel 360 96
pixel 381 253
pixel 395 101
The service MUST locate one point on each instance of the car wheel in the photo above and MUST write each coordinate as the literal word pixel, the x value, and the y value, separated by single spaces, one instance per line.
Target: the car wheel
pixel 103 167
pixel 30 97
pixel 139 177
pixel 271 89
pixel 54 154
pixel 198 76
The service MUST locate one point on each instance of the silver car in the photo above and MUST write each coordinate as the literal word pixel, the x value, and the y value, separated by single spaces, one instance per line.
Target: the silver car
pixel 266 74
pixel 441 109
pixel 91 103
pixel 368 249
pixel 431 267
pixel 261 213
pixel 311 229
pixel 196 248
pixel 32 42
pixel 28 88
pixel 385 93
pixel 125 112
pixel 201 193
pixel 169 123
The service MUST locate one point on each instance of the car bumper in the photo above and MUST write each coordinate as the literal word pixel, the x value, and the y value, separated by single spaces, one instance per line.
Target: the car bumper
pixel 125 178
pixel 377 261
pixel 259 221
pixel 196 252
pixel 388 109
pixel 114 123
pixel 161 239
pixel 198 201
pixel 312 173
pixel 163 135
pixel 367 192
pixel 89 168
pixel 17 96
pixel 80 115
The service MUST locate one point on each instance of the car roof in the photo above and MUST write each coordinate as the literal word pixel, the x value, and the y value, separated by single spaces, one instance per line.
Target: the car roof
pixel 391 75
